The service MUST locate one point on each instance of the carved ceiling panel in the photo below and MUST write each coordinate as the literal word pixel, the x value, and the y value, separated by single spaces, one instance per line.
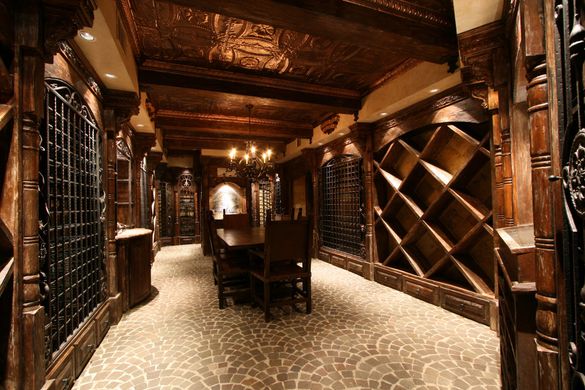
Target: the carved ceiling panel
pixel 173 33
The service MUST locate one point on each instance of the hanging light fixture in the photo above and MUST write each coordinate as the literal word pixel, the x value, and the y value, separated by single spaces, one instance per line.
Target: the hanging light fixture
pixel 253 165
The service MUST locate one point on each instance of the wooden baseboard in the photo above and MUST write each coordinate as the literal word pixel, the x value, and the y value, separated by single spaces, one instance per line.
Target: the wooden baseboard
pixel 68 365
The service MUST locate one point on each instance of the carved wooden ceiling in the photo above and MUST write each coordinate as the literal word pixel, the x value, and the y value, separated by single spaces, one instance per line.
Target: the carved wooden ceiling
pixel 296 64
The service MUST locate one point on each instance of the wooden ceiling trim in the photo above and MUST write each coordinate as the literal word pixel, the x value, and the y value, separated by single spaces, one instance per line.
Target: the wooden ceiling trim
pixel 402 27
pixel 258 128
pixel 179 131
pixel 125 9
pixel 174 143
pixel 256 80
pixel 324 101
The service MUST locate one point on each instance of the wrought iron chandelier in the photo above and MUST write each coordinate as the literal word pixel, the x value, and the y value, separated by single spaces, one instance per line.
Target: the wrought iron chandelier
pixel 253 165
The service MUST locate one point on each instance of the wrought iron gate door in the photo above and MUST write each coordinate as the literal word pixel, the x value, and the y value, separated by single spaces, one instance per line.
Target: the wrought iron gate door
pixel 570 54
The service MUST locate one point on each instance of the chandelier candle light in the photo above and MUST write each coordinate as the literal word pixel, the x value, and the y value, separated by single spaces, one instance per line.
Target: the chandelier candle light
pixel 250 166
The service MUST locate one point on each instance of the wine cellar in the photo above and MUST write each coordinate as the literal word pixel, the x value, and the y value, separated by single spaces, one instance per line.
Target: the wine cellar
pixel 431 153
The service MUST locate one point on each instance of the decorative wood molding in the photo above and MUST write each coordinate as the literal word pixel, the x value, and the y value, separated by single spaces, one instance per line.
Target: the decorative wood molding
pixel 411 10
pixel 124 103
pixel 71 52
pixel 143 142
pixel 482 50
pixel 195 116
pixel 127 16
pixel 329 125
pixel 451 106
pixel 62 20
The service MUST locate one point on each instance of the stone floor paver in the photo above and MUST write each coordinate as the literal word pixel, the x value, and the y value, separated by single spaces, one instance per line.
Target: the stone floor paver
pixel 360 335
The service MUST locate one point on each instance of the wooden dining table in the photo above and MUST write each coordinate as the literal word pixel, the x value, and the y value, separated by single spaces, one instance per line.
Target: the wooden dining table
pixel 242 238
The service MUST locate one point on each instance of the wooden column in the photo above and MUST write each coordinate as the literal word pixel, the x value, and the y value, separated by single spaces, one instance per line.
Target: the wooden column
pixel 484 71
pixel 365 137
pixel 547 337
pixel 119 106
pixel 35 39
pixel 152 161
pixel 29 91
pixel 143 142
pixel 312 164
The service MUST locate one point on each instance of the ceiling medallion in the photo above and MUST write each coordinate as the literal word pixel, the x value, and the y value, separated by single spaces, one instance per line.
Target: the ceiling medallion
pixel 253 165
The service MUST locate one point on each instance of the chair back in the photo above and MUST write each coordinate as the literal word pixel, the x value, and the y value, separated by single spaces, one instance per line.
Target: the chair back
pixel 287 241
pixel 211 233
pixel 235 221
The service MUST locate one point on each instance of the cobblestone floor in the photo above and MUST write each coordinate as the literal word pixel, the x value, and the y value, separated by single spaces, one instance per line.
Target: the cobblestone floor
pixel 361 335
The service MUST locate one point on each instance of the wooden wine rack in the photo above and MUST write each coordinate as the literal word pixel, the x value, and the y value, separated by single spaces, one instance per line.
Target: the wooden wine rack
pixel 433 218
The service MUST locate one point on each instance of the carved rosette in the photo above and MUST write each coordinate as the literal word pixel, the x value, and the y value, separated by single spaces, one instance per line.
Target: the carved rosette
pixel 329 125
pixel 574 174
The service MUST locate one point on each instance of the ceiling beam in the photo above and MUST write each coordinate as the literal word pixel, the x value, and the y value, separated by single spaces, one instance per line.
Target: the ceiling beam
pixel 182 142
pixel 298 95
pixel 231 125
pixel 391 25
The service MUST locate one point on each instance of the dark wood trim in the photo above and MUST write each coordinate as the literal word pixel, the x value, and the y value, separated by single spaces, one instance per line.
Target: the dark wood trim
pixel 62 19
pixel 452 105
pixel 310 96
pixel 231 125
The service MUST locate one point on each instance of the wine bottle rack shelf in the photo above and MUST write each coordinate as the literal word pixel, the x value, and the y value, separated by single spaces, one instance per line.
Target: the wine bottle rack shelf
pixel 432 207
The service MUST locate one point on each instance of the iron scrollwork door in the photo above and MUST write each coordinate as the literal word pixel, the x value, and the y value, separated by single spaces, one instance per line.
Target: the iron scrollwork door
pixel 570 55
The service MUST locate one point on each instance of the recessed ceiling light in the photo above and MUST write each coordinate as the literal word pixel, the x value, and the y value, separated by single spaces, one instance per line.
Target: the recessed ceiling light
pixel 320 143
pixel 434 90
pixel 383 113
pixel 140 125
pixel 341 133
pixel 87 36
pixel 110 75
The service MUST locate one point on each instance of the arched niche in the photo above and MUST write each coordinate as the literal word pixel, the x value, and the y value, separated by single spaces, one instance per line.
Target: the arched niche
pixel 228 196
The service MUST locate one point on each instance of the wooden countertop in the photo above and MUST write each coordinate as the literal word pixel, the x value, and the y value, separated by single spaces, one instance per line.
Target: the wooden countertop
pixel 130 233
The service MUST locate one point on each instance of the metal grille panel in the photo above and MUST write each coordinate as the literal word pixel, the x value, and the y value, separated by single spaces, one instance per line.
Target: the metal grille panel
pixel 72 240
pixel 341 221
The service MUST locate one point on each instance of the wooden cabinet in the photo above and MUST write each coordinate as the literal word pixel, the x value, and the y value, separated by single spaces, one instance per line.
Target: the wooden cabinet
pixel 134 248
pixel 432 204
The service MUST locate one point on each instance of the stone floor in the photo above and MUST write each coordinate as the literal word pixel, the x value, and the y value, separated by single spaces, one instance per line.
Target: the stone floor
pixel 361 335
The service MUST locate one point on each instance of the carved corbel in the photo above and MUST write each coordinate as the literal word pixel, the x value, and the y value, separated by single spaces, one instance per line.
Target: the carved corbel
pixel 123 103
pixel 482 52
pixel 63 18
pixel 143 142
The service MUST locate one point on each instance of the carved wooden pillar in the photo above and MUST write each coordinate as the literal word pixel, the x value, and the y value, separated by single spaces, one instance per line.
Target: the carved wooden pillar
pixel 143 142
pixel 30 93
pixel 152 161
pixel 311 160
pixel 484 72
pixel 547 336
pixel 365 136
pixel 119 106
pixel 32 37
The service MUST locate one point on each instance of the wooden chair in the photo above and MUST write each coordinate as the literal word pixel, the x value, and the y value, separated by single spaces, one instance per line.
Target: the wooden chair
pixel 235 221
pixel 299 213
pixel 230 269
pixel 285 263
